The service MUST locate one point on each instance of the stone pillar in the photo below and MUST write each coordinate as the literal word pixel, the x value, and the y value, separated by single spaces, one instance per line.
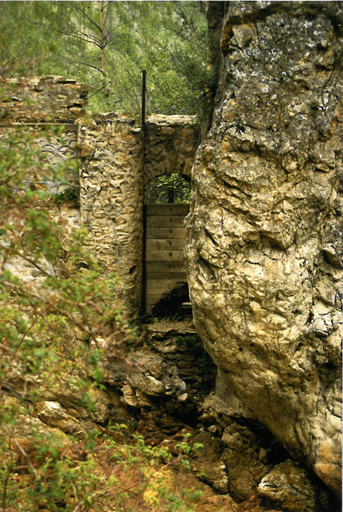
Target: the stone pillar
pixel 111 200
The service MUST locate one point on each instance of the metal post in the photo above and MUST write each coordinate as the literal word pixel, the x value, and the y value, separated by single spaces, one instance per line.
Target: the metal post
pixel 143 96
pixel 144 284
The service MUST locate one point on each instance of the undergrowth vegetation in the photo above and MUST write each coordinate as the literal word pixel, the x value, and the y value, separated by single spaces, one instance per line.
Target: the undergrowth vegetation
pixel 50 332
pixel 101 471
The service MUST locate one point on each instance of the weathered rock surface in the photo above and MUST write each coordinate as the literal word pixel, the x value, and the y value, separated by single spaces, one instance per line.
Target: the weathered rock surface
pixel 143 374
pixel 264 247
pixel 53 415
pixel 289 486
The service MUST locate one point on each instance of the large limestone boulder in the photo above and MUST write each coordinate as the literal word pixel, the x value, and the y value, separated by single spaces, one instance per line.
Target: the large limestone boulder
pixel 264 247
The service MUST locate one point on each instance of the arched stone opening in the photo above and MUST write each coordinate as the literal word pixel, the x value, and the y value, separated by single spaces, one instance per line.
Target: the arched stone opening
pixel 170 144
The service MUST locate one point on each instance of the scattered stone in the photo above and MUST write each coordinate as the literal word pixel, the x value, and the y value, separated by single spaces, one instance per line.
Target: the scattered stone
pixel 241 455
pixel 53 415
pixel 207 463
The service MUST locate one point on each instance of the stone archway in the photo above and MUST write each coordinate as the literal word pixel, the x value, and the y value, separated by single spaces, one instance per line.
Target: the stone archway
pixel 170 143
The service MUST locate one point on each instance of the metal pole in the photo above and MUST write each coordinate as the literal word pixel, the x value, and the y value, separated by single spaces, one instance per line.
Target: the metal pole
pixel 144 283
pixel 143 96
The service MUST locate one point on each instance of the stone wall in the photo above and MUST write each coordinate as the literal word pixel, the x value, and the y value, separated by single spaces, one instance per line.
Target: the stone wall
pixel 112 170
pixel 264 247
pixel 40 106
pixel 170 142
pixel 111 200
pixel 47 99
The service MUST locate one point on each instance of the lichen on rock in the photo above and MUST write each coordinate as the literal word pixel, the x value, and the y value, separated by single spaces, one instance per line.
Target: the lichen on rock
pixel 264 247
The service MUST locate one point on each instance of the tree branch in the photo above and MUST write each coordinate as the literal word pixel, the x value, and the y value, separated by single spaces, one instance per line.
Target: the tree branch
pixel 89 39
pixel 101 88
pixel 103 493
pixel 81 63
pixel 23 452
pixel 76 6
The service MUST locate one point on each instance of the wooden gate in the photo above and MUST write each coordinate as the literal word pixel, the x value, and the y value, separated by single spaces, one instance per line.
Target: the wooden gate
pixel 165 238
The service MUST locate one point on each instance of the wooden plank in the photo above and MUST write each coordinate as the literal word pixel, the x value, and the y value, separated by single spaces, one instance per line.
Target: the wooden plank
pixel 171 232
pixel 164 245
pixel 153 299
pixel 167 209
pixel 165 238
pixel 165 266
pixel 156 286
pixel 165 221
pixel 164 255
pixel 182 276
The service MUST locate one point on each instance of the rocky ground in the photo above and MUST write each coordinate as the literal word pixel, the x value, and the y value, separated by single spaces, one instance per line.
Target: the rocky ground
pixel 169 397
pixel 241 461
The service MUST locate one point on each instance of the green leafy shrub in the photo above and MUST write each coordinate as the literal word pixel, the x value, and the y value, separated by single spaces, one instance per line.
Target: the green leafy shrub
pixel 168 188
pixel 70 194
pixel 112 475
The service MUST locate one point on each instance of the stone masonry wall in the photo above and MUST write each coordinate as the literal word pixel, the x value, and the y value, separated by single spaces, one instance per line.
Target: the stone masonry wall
pixel 49 98
pixel 111 200
pixel 170 142
pixel 112 171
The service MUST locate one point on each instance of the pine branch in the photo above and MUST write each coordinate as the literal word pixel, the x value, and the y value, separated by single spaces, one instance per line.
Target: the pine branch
pixel 81 63
pixel 76 6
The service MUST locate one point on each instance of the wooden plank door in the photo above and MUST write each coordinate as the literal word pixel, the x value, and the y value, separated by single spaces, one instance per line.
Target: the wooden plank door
pixel 165 239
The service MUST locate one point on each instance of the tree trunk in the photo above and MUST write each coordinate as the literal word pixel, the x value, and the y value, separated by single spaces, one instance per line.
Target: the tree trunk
pixel 103 55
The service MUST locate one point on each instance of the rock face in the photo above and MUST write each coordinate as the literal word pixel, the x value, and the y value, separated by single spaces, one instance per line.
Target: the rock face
pixel 264 247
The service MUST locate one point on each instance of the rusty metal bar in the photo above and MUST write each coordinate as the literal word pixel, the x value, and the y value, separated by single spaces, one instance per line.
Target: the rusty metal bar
pixel 143 96
pixel 144 284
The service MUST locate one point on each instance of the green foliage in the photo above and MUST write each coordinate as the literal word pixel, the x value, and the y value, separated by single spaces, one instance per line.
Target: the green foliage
pixel 202 475
pixel 36 319
pixel 190 340
pixel 107 44
pixel 114 477
pixel 184 446
pixel 168 188
pixel 70 194
pixel 146 318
